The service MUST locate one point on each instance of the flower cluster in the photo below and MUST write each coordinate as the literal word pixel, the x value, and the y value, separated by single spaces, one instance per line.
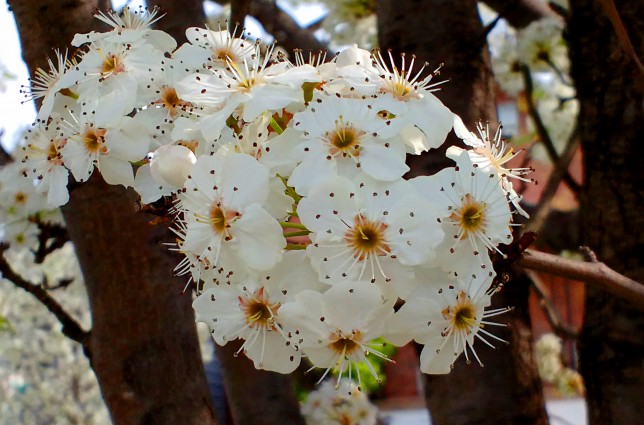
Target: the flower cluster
pixel 567 381
pixel 290 205
pixel 349 406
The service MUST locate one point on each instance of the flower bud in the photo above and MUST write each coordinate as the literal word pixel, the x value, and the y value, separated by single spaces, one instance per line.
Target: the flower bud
pixel 171 165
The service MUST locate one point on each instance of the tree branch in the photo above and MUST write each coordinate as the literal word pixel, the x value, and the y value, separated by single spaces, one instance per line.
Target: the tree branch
pixel 592 273
pixel 50 238
pixel 539 216
pixel 561 329
pixel 283 27
pixel 542 131
pixel 71 328
pixel 620 31
pixel 521 13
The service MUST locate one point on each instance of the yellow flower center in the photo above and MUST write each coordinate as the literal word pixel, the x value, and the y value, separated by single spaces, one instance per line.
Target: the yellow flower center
pixel 170 100
pixel 471 216
pixel 462 316
pixel 112 65
pixel 20 198
pixel 221 220
pixel 259 311
pixel 345 346
pixel 367 238
pixel 345 139
pixel 94 140
pixel 225 55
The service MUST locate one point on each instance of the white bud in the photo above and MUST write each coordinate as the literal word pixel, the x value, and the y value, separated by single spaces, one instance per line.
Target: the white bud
pixel 171 165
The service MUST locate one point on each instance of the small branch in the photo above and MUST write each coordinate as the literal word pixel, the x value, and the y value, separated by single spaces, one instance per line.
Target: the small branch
pixel 592 273
pixel 559 10
pixel 542 131
pixel 539 216
pixel 316 24
pixel 70 327
pixel 62 283
pixel 50 238
pixel 622 35
pixel 489 27
pixel 521 13
pixel 5 157
pixel 554 318
pixel 283 27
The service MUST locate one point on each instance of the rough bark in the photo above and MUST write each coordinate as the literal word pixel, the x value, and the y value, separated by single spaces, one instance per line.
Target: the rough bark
pixel 257 397
pixel 611 124
pixel 179 15
pixel 507 390
pixel 143 341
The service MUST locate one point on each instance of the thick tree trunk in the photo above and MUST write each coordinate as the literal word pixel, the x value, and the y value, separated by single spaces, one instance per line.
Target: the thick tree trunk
pixel 611 124
pixel 507 390
pixel 144 345
pixel 257 397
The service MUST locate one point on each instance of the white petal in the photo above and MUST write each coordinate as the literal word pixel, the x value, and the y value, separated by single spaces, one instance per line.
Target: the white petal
pixel 116 171
pixel 258 238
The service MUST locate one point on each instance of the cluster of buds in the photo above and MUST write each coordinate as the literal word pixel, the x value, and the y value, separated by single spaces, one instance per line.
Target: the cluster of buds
pixel 290 206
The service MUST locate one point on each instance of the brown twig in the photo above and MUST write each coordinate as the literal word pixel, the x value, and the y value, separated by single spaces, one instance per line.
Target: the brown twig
pixel 620 31
pixel 5 157
pixel 521 13
pixel 50 238
pixel 592 273
pixel 70 327
pixel 552 315
pixel 283 27
pixel 542 131
pixel 544 206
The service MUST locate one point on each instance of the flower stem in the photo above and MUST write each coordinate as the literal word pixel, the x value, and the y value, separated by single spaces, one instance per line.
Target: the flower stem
pixel 289 225
pixel 299 233
pixel 275 126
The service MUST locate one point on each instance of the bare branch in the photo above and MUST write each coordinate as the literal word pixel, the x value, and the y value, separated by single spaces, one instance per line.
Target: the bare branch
pixel 554 318
pixel 71 328
pixel 283 27
pixel 539 216
pixel 592 273
pixel 521 13
pixel 50 238
pixel 542 131
pixel 622 35
pixel 5 157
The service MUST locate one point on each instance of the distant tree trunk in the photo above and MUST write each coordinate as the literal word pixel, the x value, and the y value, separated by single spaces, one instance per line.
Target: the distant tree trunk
pixel 257 397
pixel 611 124
pixel 144 345
pixel 179 15
pixel 454 38
pixel 507 390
